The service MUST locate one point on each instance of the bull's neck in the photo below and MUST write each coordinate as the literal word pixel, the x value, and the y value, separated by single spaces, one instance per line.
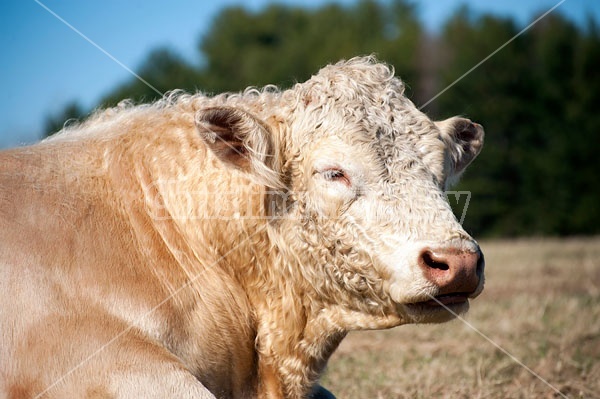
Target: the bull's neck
pixel 296 334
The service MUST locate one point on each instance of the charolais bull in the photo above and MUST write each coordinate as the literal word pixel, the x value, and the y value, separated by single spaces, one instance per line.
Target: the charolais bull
pixel 223 246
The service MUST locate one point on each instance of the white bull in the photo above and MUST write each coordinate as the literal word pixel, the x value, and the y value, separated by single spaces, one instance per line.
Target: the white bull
pixel 223 246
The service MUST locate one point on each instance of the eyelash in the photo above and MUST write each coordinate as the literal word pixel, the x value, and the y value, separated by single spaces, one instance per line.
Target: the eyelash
pixel 336 175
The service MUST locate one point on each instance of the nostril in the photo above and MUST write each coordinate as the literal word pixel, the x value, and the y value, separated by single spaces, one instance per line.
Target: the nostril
pixel 452 269
pixel 431 261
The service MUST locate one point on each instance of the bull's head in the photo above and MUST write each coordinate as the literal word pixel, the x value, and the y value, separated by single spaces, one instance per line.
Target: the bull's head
pixel 365 221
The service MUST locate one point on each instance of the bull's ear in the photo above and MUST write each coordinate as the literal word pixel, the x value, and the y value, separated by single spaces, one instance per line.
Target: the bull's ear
pixel 464 140
pixel 240 140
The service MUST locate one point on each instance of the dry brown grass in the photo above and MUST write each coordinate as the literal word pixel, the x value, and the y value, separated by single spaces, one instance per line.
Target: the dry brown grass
pixel 541 304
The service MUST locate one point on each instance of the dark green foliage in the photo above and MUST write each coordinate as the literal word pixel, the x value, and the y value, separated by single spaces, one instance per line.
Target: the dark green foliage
pixel 538 97
pixel 282 45
pixel 163 70
pixel 536 175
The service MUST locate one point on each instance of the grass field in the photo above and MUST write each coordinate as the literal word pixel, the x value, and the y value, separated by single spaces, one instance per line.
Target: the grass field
pixel 541 304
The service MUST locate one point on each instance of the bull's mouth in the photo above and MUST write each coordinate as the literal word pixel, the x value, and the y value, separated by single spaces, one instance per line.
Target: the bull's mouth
pixel 439 308
pixel 446 300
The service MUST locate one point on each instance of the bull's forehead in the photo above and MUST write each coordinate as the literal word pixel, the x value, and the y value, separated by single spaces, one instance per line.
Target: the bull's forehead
pixel 362 113
pixel 412 148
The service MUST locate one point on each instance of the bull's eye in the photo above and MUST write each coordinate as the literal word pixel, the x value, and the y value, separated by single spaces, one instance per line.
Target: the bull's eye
pixel 337 175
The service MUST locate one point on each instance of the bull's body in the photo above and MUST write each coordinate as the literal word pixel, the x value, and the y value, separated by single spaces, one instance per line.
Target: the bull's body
pixel 201 247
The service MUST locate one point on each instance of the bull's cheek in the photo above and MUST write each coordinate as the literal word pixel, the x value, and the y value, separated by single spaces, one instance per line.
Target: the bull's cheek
pixel 326 208
pixel 350 275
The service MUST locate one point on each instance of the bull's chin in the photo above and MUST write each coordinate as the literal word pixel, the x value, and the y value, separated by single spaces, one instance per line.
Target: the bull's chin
pixel 439 309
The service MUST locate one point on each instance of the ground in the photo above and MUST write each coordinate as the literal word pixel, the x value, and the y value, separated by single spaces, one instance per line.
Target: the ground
pixel 541 304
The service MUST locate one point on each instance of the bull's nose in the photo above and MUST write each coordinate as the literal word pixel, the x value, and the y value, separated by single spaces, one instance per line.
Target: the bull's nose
pixel 452 270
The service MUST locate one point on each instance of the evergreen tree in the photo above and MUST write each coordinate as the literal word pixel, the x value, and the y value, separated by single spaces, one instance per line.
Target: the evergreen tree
pixel 537 97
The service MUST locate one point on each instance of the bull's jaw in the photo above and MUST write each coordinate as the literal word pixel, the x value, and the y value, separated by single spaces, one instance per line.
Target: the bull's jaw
pixel 424 304
pixel 354 320
pixel 433 307
pixel 433 312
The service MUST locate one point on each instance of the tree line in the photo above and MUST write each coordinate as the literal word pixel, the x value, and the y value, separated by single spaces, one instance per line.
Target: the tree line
pixel 537 97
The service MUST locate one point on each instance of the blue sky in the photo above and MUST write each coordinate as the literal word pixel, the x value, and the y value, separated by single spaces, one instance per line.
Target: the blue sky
pixel 45 64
